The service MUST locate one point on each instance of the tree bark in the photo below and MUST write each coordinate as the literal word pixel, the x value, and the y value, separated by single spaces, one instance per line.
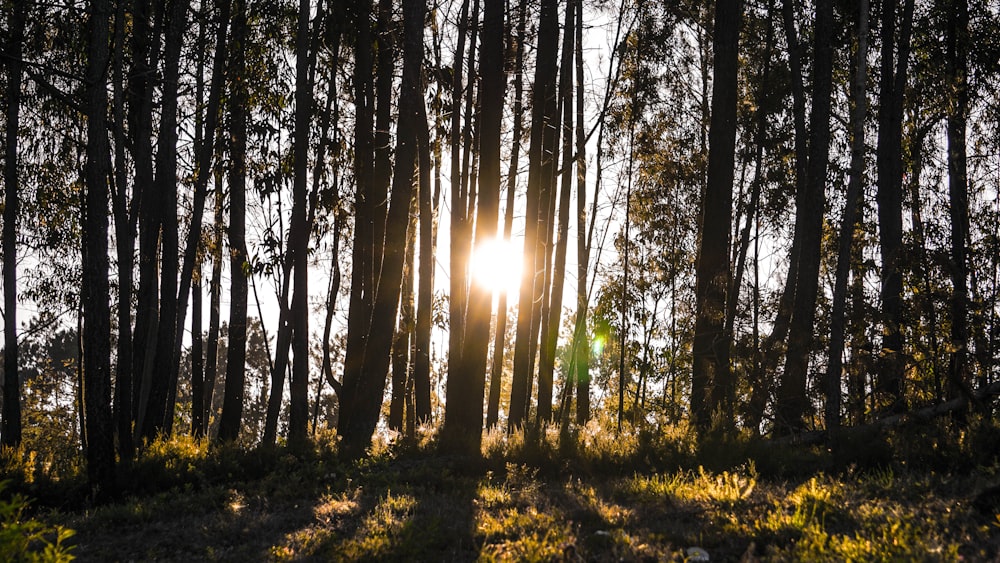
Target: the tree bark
pixel 540 168
pixel 365 392
pixel 94 292
pixel 298 415
pixel 466 386
pixel 957 53
pixel 361 300
pixel 793 402
pixel 204 155
pixel 159 418
pixel 232 405
pixel 125 226
pixel 11 428
pixel 712 386
pixel 849 224
pixel 547 367
pixel 889 382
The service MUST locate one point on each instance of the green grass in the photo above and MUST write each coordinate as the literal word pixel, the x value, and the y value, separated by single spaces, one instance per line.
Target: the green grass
pixel 535 498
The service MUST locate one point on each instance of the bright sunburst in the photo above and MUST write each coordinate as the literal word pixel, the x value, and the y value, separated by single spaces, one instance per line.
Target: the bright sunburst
pixel 496 265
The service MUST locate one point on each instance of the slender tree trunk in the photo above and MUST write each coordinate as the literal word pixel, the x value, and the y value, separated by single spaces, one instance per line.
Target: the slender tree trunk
pixel 367 392
pixel 464 412
pixel 145 48
pixel 159 418
pixel 215 296
pixel 420 375
pixel 712 386
pixel 204 154
pixel 849 225
pixel 957 41
pixel 197 356
pixel 11 428
pixel 547 367
pixel 95 293
pixel 459 244
pixel 298 415
pixel 362 297
pixel 232 406
pixel 500 333
pixel 404 330
pixel 125 226
pixel 793 402
pixel 385 67
pixel 581 342
pixel 540 167
pixel 889 383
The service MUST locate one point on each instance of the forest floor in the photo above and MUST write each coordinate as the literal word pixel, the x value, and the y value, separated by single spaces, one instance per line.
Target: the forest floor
pixel 418 505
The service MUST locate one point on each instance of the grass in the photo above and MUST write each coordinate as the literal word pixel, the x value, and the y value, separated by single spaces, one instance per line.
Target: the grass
pixel 533 498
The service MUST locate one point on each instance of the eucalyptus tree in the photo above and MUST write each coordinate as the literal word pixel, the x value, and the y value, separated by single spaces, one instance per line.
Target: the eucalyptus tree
pixel 365 378
pixel 793 403
pixel 895 51
pixel 853 200
pixel 466 385
pixel 11 429
pixel 712 386
pixel 95 293
pixel 232 408
pixel 541 148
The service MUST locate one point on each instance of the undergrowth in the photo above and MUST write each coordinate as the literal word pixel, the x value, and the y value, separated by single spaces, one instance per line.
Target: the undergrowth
pixel 544 494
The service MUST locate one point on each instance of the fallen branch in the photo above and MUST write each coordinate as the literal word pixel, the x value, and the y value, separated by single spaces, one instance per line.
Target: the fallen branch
pixel 893 421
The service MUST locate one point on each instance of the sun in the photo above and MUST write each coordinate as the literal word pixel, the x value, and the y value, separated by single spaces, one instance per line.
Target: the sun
pixel 496 265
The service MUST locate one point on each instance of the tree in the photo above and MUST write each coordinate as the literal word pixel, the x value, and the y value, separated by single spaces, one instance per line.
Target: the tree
pixel 544 122
pixel 299 236
pixel 889 196
pixel 363 389
pixel 957 47
pixel 164 380
pixel 11 429
pixel 464 413
pixel 792 399
pixel 232 407
pixel 712 387
pixel 849 224
pixel 95 294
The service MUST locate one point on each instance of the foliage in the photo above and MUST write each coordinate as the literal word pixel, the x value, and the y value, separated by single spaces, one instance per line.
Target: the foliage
pixel 28 539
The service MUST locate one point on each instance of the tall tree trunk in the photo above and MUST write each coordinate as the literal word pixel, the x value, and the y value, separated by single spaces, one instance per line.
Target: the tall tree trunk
pixel 793 402
pixel 547 367
pixel 197 356
pixel 540 168
pixel 581 342
pixel 381 174
pixel 204 154
pixel 459 243
pixel 215 296
pixel 365 395
pixel 145 49
pixel 500 333
pixel 849 224
pixel 232 405
pixel 11 428
pixel 888 161
pixel 362 292
pixel 463 421
pixel 712 386
pixel 94 292
pixel 957 41
pixel 159 418
pixel 404 330
pixel 298 414
pixel 125 226
pixel 420 374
